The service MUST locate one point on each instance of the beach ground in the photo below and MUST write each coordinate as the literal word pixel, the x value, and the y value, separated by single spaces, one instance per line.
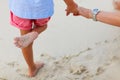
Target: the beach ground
pixel 72 48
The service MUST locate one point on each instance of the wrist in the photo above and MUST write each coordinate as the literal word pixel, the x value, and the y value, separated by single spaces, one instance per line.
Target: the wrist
pixel 94 13
pixel 85 12
pixel 90 14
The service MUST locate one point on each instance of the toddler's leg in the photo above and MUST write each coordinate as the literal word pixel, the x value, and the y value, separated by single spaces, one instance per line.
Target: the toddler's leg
pixel 25 40
pixel 28 55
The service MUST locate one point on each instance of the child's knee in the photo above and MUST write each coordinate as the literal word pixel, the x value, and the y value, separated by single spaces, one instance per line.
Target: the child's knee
pixel 44 26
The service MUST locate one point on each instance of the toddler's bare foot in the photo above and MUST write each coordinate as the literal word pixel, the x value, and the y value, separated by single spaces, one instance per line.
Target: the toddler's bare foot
pixel 25 40
pixel 38 67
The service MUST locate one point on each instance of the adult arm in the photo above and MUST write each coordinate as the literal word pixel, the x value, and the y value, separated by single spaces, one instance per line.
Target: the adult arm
pixel 112 18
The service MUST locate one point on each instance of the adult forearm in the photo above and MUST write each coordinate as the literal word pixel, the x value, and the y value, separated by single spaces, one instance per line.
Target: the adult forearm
pixel 112 18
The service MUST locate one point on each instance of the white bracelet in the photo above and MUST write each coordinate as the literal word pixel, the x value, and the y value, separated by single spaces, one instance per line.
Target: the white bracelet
pixel 94 14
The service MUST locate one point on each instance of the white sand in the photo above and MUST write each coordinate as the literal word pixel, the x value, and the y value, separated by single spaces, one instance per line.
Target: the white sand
pixel 73 48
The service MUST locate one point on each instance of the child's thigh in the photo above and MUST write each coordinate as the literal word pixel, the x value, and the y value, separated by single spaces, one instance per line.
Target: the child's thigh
pixel 21 23
pixel 41 22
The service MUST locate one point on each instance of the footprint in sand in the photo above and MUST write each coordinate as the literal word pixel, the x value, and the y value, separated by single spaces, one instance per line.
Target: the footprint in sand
pixel 77 70
pixel 22 72
pixel 3 78
pixel 12 64
pixel 48 57
pixel 100 43
pixel 106 41
pixel 88 77
pixel 19 71
pixel 100 70
pixel 107 63
pixel 24 75
pixel 115 58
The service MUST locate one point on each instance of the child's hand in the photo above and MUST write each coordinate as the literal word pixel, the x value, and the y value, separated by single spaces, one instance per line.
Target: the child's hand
pixel 72 9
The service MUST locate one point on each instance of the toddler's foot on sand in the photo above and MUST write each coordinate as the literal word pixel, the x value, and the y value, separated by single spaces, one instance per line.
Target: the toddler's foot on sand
pixel 25 40
pixel 38 67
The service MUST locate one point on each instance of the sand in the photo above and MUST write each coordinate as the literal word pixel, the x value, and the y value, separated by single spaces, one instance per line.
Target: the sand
pixel 70 51
pixel 99 63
